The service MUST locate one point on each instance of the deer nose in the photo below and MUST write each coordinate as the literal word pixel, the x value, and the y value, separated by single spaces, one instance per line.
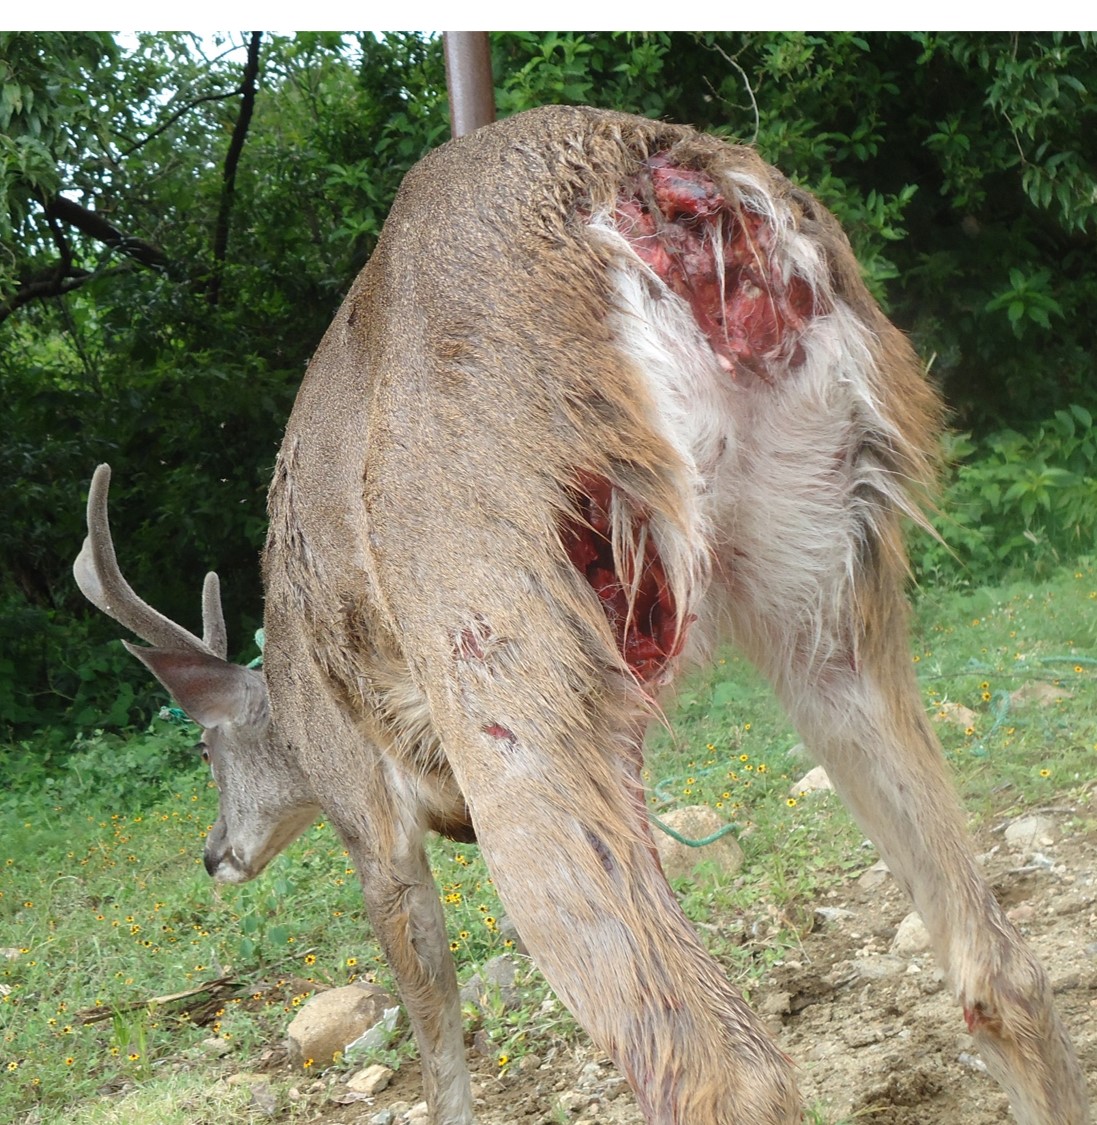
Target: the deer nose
pixel 210 861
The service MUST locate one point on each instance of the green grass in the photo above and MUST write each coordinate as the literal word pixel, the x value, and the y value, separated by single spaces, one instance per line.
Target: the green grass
pixel 183 1097
pixel 105 906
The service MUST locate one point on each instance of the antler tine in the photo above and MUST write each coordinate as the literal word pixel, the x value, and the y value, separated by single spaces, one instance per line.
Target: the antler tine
pixel 214 633
pixel 100 580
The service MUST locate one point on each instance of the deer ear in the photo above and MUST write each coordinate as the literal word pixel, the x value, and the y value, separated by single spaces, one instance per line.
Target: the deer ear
pixel 212 691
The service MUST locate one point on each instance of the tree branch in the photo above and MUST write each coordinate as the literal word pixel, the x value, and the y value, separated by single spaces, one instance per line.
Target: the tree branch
pixel 63 277
pixel 47 283
pixel 135 145
pixel 95 226
pixel 232 159
pixel 64 267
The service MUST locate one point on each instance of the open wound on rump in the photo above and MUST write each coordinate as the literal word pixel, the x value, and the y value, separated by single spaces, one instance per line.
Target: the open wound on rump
pixel 717 256
pixel 639 606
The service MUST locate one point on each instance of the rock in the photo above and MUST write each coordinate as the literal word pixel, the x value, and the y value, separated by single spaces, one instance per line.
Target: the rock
pixel 772 1008
pixel 418 1114
pixel 496 978
pixel 799 753
pixel 875 876
pixel 775 1004
pixel 1038 692
pixel 372 1080
pixel 911 937
pixel 929 984
pixel 878 967
pixel 378 1037
pixel 215 1046
pixel 331 1020
pixel 573 1102
pixel 1029 833
pixel 243 1078
pixel 383 1117
pixel 263 1099
pixel 1021 914
pixel 828 915
pixel 972 1062
pixel 957 714
pixel 814 781
pixel 695 822
pixel 862 1035
pixel 508 932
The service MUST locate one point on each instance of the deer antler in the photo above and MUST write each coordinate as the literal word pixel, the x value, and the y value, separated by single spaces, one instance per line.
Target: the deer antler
pixel 214 634
pixel 100 580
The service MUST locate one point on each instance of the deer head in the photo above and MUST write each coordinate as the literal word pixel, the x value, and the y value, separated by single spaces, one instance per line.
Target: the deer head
pixel 229 702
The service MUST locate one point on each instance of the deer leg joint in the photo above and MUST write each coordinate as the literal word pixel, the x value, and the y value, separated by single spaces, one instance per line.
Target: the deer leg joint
pixel 978 1018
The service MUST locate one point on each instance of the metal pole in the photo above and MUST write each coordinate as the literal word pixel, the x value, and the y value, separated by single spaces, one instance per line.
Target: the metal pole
pixel 468 79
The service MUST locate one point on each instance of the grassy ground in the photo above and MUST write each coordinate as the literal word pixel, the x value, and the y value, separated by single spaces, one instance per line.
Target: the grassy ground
pixel 106 913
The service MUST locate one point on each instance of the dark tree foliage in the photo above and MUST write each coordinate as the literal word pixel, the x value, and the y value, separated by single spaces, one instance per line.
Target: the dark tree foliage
pixel 179 222
pixel 201 258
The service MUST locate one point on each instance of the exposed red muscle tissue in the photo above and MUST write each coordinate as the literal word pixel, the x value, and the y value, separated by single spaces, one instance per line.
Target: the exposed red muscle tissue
pixel 647 633
pixel 716 256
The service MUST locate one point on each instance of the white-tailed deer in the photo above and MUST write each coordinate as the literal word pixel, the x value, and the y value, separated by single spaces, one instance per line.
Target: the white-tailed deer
pixel 607 389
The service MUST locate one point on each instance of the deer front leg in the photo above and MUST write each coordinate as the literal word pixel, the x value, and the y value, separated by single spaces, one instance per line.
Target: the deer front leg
pixel 868 728
pixel 406 916
pixel 375 805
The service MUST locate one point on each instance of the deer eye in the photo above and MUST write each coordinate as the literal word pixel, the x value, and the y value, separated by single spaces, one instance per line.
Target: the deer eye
pixel 203 749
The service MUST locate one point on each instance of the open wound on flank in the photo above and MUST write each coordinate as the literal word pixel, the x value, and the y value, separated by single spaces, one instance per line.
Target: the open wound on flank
pixel 634 592
pixel 718 256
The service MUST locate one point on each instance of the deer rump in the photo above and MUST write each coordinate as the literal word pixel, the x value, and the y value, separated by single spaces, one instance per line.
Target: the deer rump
pixel 660 416
pixel 716 258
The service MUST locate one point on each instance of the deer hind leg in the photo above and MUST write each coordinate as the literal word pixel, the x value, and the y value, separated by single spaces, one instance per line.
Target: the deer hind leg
pixel 834 640
pixel 552 785
pixel 883 760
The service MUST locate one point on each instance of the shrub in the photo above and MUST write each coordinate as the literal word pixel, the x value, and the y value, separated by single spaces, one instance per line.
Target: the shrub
pixel 1016 503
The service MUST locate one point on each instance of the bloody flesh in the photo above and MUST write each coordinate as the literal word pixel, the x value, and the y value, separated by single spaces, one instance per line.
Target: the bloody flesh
pixel 717 256
pixel 646 632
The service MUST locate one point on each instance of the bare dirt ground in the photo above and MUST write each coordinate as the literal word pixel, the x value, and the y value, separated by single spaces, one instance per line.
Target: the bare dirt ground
pixel 874 1033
